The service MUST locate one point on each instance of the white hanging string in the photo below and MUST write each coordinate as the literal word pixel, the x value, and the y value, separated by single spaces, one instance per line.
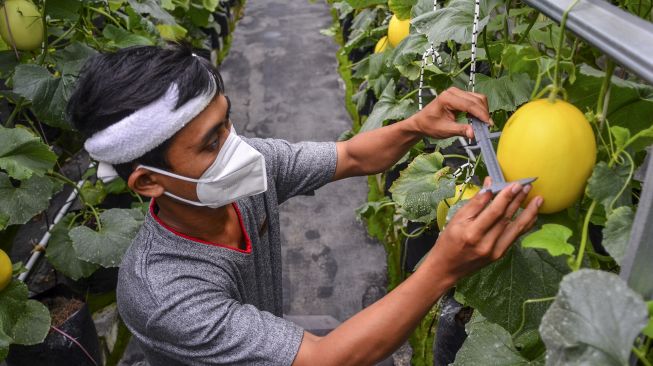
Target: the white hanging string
pixel 436 59
pixel 472 70
pixel 471 86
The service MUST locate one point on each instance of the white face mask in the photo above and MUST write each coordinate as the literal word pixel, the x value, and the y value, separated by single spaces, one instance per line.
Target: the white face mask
pixel 237 172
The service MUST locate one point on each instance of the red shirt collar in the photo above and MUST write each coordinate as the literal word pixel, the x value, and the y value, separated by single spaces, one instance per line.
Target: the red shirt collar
pixel 248 242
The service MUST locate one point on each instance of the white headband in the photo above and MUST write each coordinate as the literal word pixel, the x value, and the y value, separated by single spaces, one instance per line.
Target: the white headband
pixel 146 128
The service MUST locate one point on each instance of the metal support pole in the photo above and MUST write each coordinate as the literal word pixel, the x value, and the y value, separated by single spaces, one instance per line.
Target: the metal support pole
pixel 622 36
pixel 637 265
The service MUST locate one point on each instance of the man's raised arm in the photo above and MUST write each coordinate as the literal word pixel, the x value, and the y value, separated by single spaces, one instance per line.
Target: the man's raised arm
pixel 375 151
pixel 479 233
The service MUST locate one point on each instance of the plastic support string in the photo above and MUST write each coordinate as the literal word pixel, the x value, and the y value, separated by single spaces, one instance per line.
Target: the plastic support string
pixel 472 70
pixel 471 86
pixel 436 59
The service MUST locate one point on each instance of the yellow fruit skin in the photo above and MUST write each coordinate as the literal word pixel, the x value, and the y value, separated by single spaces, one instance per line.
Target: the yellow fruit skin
pixel 5 270
pixel 381 45
pixel 398 30
pixel 25 22
pixel 553 142
pixel 443 208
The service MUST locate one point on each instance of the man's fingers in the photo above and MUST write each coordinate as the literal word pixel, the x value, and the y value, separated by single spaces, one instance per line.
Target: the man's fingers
pixel 490 239
pixel 458 100
pixel 487 182
pixel 522 224
pixel 475 205
pixel 497 208
pixel 516 203
pixel 482 98
pixel 455 129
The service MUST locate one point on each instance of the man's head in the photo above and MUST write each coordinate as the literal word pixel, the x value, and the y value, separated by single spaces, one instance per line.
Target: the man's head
pixel 114 87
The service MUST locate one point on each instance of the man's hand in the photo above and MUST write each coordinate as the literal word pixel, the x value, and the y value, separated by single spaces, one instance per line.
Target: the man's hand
pixel 479 233
pixel 482 231
pixel 375 151
pixel 438 118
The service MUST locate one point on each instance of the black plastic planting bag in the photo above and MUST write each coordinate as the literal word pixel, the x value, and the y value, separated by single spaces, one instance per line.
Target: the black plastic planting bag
pixel 58 349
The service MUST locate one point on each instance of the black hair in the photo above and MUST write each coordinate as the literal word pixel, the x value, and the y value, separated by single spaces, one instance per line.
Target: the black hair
pixel 112 86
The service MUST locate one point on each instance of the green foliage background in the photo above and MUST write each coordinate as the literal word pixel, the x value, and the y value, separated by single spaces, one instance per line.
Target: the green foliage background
pixel 518 49
pixel 37 140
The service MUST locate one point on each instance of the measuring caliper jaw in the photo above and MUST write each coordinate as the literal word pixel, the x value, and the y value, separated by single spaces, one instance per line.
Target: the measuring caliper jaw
pixel 484 142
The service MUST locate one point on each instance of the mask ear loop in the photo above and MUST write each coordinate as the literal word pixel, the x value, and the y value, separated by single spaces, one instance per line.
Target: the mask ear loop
pixel 167 173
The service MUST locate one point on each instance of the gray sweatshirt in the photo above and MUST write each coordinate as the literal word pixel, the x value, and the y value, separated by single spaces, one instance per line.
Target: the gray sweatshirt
pixel 190 302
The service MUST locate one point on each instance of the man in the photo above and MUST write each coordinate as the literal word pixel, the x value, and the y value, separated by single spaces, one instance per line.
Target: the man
pixel 201 282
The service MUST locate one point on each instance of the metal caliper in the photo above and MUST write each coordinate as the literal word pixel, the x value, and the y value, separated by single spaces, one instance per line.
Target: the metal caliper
pixel 484 142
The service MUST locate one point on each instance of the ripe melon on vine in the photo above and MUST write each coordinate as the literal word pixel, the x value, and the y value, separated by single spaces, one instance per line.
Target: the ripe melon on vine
pixel 398 30
pixel 554 142
pixel 6 270
pixel 381 45
pixel 22 25
pixel 463 192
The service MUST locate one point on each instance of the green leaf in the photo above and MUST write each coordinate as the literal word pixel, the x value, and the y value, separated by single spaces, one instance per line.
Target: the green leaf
pixel 29 198
pixel 361 27
pixel 93 194
pixel 616 233
pixel 422 7
pixel 631 103
pixel 210 5
pixel 33 324
pixel 623 139
pixel 107 246
pixel 593 321
pixel 62 255
pixel 50 93
pixel 45 91
pixel 378 216
pixel 171 32
pixel 344 9
pixel 389 108
pixel 4 220
pixel 499 290
pixel 122 38
pixel 605 183
pixel 648 331
pixel 168 4
pixel 453 22
pixel 152 8
pixel 401 8
pixel 519 59
pixel 70 61
pixel 488 344
pixel 63 9
pixel 116 186
pixel 421 186
pixel 638 7
pixel 409 50
pixel 360 4
pixel 621 136
pixel 505 93
pixel 22 321
pixel 22 154
pixel 551 237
